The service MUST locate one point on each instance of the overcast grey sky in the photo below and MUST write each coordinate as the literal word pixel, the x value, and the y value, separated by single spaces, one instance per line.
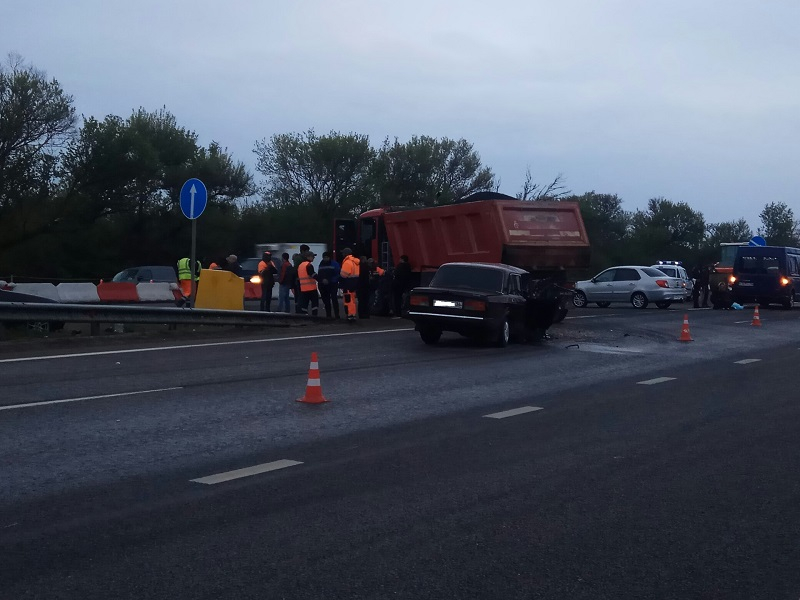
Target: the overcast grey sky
pixel 695 101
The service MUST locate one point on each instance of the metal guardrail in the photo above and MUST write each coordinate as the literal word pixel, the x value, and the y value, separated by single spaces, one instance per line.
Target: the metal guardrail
pixel 97 314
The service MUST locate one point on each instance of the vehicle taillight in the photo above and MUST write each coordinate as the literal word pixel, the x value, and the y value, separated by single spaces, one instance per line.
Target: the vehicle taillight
pixel 785 281
pixel 478 305
pixel 662 283
pixel 419 301
pixel 732 279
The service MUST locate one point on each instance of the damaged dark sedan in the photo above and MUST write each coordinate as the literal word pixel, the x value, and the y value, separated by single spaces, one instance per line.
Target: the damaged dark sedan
pixel 495 303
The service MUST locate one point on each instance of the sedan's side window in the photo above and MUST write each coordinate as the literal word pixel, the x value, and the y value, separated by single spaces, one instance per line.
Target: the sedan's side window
pixel 606 276
pixel 627 275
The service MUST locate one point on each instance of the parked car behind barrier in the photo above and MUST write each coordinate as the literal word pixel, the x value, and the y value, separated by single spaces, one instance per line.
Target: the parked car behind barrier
pixel 153 273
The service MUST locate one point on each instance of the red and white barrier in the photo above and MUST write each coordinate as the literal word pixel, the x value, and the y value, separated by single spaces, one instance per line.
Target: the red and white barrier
pixel 155 292
pixel 117 292
pixel 45 290
pixel 77 293
pixel 252 291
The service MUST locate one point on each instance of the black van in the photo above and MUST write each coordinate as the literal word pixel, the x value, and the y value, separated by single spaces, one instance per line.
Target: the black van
pixel 767 275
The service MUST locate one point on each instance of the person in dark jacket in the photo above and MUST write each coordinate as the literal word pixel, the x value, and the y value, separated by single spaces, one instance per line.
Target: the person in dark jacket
pixel 362 292
pixel 401 283
pixel 328 279
pixel 701 275
pixel 232 265
pixel 267 272
pixel 297 260
pixel 286 282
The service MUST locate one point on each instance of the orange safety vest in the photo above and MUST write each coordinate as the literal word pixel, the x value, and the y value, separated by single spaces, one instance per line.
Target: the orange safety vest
pixel 379 271
pixel 307 283
pixel 350 267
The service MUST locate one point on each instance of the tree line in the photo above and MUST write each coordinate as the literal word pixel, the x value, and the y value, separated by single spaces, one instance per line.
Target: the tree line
pixel 82 198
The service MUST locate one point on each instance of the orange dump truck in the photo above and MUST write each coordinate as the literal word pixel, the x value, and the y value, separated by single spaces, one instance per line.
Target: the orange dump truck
pixel 547 239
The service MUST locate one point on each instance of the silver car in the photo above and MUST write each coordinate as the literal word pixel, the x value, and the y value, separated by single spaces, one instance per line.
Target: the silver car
pixel 675 269
pixel 634 284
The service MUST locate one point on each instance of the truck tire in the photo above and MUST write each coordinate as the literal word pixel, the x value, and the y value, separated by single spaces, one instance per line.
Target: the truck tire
pixel 430 335
pixel 788 303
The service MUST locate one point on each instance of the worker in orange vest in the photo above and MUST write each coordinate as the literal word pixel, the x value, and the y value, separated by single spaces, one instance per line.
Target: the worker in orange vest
pixel 268 272
pixel 308 285
pixel 348 281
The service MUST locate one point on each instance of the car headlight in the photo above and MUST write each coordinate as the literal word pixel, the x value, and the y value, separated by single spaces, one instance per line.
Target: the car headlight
pixel 255 279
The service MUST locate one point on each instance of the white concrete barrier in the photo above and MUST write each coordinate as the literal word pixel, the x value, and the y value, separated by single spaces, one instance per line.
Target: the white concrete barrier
pixel 155 292
pixel 45 290
pixel 77 293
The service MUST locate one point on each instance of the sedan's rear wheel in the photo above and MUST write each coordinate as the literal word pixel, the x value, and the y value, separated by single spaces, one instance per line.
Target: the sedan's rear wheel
pixel 664 304
pixel 603 304
pixel 561 314
pixel 579 299
pixel 430 335
pixel 503 334
pixel 639 300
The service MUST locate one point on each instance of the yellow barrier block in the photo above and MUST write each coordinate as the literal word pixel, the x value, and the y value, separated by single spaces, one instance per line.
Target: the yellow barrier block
pixel 219 289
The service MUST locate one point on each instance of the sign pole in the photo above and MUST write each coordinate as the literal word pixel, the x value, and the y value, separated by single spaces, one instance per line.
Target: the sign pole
pixel 193 200
pixel 193 264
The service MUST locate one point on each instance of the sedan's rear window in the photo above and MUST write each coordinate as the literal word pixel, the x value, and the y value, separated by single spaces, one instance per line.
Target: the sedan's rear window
pixel 668 271
pixel 650 272
pixel 471 278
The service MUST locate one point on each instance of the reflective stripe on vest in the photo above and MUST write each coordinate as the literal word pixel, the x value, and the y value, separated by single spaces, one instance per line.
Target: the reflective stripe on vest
pixel 307 283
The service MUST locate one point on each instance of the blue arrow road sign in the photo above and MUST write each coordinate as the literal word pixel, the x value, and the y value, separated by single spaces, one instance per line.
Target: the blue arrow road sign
pixel 194 198
pixel 757 240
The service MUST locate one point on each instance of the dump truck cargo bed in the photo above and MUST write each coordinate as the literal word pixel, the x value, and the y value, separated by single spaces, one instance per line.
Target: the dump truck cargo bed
pixel 536 236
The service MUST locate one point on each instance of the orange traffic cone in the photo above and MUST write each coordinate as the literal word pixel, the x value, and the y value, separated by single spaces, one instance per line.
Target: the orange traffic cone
pixel 313 393
pixel 685 335
pixel 756 318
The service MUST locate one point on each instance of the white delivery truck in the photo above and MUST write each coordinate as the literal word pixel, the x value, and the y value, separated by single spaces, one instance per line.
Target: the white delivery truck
pixel 291 249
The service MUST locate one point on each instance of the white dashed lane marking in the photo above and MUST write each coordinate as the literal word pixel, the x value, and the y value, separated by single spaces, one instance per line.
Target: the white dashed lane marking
pixel 104 396
pixel 655 381
pixel 513 412
pixel 202 345
pixel 747 361
pixel 247 472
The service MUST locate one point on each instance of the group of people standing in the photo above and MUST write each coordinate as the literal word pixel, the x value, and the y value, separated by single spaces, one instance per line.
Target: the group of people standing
pixel 296 276
pixel 354 277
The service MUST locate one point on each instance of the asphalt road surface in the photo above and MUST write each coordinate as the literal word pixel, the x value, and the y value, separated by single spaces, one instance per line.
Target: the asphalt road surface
pixel 611 461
